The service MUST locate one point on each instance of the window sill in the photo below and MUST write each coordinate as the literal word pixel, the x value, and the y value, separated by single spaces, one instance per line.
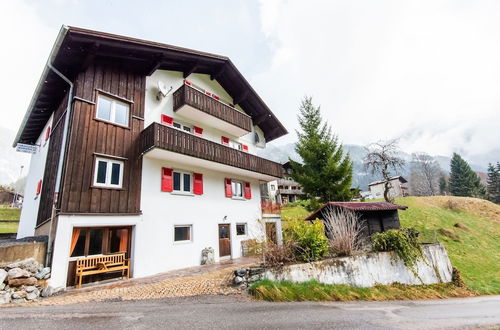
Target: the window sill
pixel 238 198
pixel 180 193
pixel 105 187
pixel 182 242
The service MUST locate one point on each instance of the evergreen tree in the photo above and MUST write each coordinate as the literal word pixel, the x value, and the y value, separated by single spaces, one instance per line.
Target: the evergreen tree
pixel 493 181
pixel 326 173
pixel 463 180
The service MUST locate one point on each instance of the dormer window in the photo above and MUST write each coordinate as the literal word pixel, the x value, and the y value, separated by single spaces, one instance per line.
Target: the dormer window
pixel 112 110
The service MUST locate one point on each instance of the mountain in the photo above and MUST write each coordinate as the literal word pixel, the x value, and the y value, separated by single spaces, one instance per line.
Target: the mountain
pixel 360 178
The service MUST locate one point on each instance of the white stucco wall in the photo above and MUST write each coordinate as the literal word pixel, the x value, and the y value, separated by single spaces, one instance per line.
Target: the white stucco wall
pixel 377 190
pixel 31 201
pixel 174 79
pixel 370 269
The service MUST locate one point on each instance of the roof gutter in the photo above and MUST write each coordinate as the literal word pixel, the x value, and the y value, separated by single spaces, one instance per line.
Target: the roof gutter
pixel 41 82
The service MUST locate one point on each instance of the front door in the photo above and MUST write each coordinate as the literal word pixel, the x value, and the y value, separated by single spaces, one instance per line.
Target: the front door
pixel 224 240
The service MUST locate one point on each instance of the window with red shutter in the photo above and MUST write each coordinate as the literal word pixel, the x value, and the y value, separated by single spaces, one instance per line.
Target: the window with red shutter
pixel 225 141
pixel 39 187
pixel 228 188
pixel 244 147
pixel 47 133
pixel 166 179
pixel 198 184
pixel 248 191
pixel 167 120
pixel 198 130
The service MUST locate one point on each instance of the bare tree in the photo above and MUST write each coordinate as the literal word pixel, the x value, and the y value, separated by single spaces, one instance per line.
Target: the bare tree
pixel 343 230
pixel 425 175
pixel 382 157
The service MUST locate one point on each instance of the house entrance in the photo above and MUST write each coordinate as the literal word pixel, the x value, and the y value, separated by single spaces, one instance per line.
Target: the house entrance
pixel 93 241
pixel 224 240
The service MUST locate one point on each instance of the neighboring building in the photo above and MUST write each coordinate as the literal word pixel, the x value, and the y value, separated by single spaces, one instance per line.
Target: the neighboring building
pixel 157 158
pixel 375 217
pixel 285 190
pixel 399 188
pixel 10 198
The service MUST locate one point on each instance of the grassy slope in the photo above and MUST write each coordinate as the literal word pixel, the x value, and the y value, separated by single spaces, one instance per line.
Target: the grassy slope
pixel 476 250
pixel 7 213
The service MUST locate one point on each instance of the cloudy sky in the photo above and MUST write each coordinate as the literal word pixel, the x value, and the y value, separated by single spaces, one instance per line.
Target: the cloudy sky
pixel 427 72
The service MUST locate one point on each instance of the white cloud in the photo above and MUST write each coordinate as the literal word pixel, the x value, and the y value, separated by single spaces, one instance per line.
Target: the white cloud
pixel 26 43
pixel 426 71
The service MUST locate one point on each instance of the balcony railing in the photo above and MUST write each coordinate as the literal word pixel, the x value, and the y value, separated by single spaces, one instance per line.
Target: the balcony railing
pixel 171 139
pixel 187 95
pixel 290 191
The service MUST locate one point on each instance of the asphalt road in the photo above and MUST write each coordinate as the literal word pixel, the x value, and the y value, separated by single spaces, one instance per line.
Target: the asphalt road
pixel 233 312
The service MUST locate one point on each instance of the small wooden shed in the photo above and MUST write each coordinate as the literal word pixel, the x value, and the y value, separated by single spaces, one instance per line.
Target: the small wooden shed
pixel 376 217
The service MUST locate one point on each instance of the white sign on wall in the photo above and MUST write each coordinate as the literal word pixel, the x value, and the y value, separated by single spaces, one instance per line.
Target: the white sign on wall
pixel 27 148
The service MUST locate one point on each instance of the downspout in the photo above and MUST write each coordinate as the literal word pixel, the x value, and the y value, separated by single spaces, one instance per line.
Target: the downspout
pixel 48 257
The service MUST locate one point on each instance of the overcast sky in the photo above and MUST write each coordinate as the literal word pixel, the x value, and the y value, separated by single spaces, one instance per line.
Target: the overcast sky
pixel 427 72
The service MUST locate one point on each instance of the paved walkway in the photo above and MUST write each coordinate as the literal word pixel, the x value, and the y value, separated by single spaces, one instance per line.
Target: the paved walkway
pixel 201 280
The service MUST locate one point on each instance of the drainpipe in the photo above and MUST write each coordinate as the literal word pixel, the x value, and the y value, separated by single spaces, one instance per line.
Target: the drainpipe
pixel 48 257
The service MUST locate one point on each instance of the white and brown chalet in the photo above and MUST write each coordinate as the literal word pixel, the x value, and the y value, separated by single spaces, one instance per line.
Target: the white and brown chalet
pixel 143 148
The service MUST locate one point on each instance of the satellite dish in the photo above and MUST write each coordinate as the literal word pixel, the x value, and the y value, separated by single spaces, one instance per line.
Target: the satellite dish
pixel 162 90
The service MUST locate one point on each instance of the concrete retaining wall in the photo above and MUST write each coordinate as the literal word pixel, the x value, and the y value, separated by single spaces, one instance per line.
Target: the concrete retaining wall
pixel 12 251
pixel 369 269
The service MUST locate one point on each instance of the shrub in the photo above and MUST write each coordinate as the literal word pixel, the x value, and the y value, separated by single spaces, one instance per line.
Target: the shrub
pixel 404 242
pixel 344 230
pixel 275 255
pixel 308 239
pixel 313 205
pixel 303 203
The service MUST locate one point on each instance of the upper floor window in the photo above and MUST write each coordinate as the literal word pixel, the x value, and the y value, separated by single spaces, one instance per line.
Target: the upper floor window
pixel 233 144
pixel 108 173
pixel 183 127
pixel 182 182
pixel 112 110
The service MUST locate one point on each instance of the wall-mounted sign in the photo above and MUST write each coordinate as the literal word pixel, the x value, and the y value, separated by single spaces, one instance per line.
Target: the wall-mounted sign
pixel 27 148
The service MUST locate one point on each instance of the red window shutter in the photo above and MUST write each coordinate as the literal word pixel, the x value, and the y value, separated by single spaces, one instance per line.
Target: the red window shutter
pixel 47 133
pixel 215 96
pixel 166 179
pixel 198 130
pixel 39 187
pixel 231 105
pixel 187 82
pixel 244 147
pixel 229 189
pixel 225 140
pixel 248 191
pixel 198 184
pixel 208 93
pixel 166 120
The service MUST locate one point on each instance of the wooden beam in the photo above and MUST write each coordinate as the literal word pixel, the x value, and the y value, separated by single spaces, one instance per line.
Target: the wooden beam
pixel 241 97
pixel 218 73
pixel 156 63
pixel 190 69
pixel 261 119
pixel 89 59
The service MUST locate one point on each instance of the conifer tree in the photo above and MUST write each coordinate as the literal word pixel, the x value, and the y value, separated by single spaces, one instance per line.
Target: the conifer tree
pixel 325 172
pixel 493 189
pixel 463 180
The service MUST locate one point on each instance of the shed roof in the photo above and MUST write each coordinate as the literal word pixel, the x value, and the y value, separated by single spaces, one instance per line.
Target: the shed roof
pixel 358 206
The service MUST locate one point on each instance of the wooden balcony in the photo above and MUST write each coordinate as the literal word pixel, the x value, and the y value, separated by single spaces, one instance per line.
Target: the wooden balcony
pixel 290 191
pixel 194 104
pixel 157 136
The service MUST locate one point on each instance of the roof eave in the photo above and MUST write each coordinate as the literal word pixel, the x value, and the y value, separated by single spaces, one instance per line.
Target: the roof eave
pixel 53 53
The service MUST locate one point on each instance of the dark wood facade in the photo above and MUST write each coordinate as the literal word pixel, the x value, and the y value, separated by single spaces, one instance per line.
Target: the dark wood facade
pixel 171 139
pixel 187 95
pixel 88 137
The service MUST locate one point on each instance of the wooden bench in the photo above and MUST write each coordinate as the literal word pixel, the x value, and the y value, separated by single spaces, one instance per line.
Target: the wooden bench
pixel 100 265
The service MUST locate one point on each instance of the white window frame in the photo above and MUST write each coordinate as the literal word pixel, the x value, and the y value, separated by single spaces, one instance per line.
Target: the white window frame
pixel 234 182
pixel 235 145
pixel 112 113
pixel 109 171
pixel 182 191
pixel 183 127
pixel 241 224
pixel 190 234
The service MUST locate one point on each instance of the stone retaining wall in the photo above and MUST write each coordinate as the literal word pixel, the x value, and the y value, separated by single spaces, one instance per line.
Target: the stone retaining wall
pixel 362 271
pixel 16 250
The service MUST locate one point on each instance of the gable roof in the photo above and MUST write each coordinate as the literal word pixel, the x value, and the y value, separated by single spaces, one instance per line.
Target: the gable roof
pixel 357 206
pixel 397 177
pixel 76 48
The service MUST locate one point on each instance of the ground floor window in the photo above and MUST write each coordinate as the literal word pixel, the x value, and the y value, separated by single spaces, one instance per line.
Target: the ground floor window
pixel 182 233
pixel 241 229
pixel 94 241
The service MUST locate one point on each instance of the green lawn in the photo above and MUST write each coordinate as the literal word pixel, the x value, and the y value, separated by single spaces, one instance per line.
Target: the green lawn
pixel 294 212
pixel 7 213
pixel 468 227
